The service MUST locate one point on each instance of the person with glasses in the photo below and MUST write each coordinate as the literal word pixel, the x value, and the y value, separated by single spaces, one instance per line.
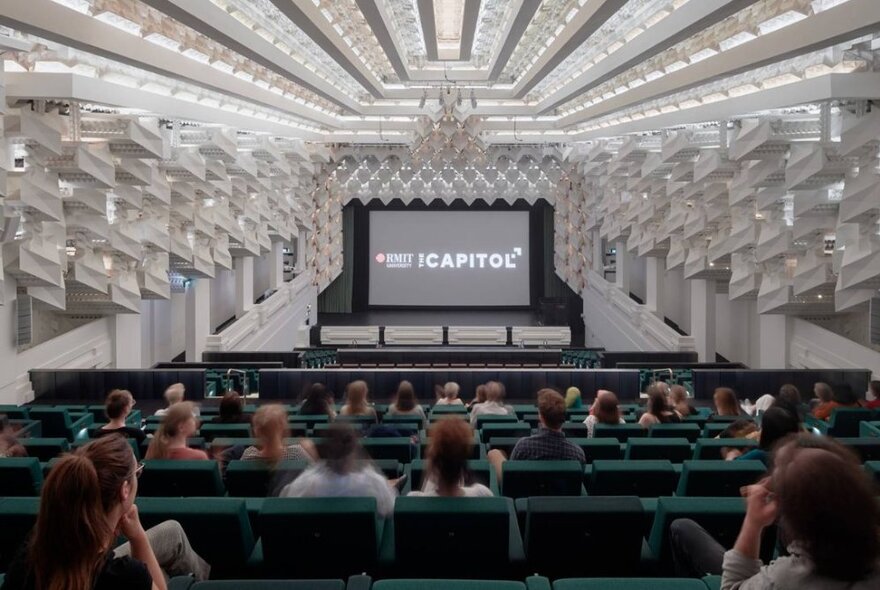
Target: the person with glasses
pixel 87 502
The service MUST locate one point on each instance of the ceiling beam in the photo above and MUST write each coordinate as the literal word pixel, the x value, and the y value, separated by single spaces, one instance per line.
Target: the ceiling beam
pixel 213 22
pixel 592 16
pixel 520 23
pixel 676 27
pixel 429 28
pixel 373 16
pixel 469 28
pixel 295 11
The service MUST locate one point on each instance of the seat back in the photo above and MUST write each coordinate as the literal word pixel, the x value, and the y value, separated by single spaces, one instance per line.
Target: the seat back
pixel 504 430
pixel 174 478
pixel 522 479
pixel 599 536
pixel 14 412
pixel 845 421
pixel 209 431
pixel 45 449
pixel 400 449
pixel 596 449
pixel 673 449
pixel 867 447
pixel 20 476
pixel 629 584
pixel 622 432
pixel 472 535
pixel 484 419
pixel 261 585
pixel 710 448
pixel 689 431
pixel 718 478
pixel 425 584
pixel 17 518
pixel 217 528
pixel 873 469
pixel 315 537
pixel 575 430
pixel 56 422
pixel 645 479
pixel 261 479
pixel 480 471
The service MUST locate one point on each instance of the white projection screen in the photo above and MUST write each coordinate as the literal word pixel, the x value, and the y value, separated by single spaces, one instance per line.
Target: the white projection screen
pixel 449 258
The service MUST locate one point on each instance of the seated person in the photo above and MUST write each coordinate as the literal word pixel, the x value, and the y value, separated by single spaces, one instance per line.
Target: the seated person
pixel 678 401
pixel 494 404
pixel 605 410
pixel 843 397
pixel 479 397
pixel 549 444
pixel 87 502
pixel 270 429
pixel 872 396
pixel 356 401
pixel 173 395
pixel 9 445
pixel 726 403
pixel 232 409
pixel 117 408
pixel 657 411
pixel 405 402
pixel 776 424
pixel 342 471
pixel 825 507
pixel 169 442
pixel 573 400
pixel 449 448
pixel 318 401
pixel 450 395
pixel 822 394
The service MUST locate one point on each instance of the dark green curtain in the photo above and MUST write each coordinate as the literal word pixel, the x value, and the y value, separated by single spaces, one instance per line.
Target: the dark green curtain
pixel 336 298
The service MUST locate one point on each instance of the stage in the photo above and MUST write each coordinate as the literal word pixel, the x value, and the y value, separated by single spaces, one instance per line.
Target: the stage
pixel 488 317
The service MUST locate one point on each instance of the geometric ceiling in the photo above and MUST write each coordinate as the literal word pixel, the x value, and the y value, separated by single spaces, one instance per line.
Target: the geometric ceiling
pixel 366 71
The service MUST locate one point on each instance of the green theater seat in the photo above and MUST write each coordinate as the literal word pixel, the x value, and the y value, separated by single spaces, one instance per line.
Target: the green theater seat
pixel 484 419
pixel 597 449
pixel 415 584
pixel 187 583
pixel 261 479
pixel 718 478
pixel 521 479
pixel 596 536
pixel 645 479
pixel 575 430
pixel 14 412
pixel 392 419
pixel 45 449
pixel 400 449
pixel 710 448
pixel 867 447
pixel 843 422
pixel 361 422
pixel 171 478
pixel 873 469
pixel 446 409
pixel 672 449
pixel 457 538
pixel 211 431
pixel 629 584
pixel 58 423
pixel 17 518
pixel 480 471
pixel 712 582
pixel 689 431
pixel 622 432
pixel 504 430
pixel 217 528
pixel 319 537
pixel 20 476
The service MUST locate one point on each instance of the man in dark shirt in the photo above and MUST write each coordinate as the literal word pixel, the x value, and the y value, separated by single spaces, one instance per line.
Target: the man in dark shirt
pixel 549 444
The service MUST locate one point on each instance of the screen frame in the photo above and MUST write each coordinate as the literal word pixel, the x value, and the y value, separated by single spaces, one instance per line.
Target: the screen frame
pixel 362 258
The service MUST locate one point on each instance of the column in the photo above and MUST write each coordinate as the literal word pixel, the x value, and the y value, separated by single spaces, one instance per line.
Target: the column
pixel 301 242
pixel 703 318
pixel 622 278
pixel 773 338
pixel 655 273
pixel 276 267
pixel 244 284
pixel 198 318
pixel 127 343
pixel 598 254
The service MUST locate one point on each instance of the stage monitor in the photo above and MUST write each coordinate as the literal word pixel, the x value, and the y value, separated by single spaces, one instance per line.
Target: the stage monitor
pixel 449 259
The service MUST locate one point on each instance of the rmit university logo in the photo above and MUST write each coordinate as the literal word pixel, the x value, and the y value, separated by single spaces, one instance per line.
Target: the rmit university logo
pixel 470 260
pixel 395 259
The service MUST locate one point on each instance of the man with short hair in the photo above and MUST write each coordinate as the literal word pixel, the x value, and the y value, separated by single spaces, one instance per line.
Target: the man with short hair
pixel 549 444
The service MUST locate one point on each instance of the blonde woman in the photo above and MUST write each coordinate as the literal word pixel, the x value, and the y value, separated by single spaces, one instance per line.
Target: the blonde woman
pixel 178 424
pixel 356 400
pixel 270 429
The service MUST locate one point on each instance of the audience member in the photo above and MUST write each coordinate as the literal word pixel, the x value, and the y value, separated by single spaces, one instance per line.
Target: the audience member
pixel 550 443
pixel 763 403
pixel 232 409
pixel 657 412
pixel 449 448
pixel 740 428
pixel 776 424
pixel 342 472
pixel 356 400
pixel 822 395
pixel 605 410
pixel 87 501
pixel 450 395
pixel 173 395
pixel 726 403
pixel 479 397
pixel 827 513
pixel 494 403
pixel 573 399
pixel 872 396
pixel 9 445
pixel 169 442
pixel 117 407
pixel 270 429
pixel 843 397
pixel 405 402
pixel 678 401
pixel 789 398
pixel 318 401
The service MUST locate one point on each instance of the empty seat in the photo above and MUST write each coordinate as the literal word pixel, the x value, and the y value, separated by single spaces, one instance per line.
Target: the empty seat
pixel 20 476
pixel 718 478
pixel 173 478
pixel 596 536
pixel 622 432
pixel 261 479
pixel 629 584
pixel 598 448
pixel 58 423
pixel 673 449
pixel 210 431
pixel 504 429
pixel 689 431
pixel 400 449
pixel 217 528
pixel 645 479
pixel 521 479
pixel 17 518
pixel 319 537
pixel 710 448
pixel 476 537
pixel 45 449
pixel 479 471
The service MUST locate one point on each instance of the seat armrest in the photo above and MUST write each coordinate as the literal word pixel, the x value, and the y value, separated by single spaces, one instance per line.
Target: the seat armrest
pixel 181 582
pixel 359 583
pixel 537 583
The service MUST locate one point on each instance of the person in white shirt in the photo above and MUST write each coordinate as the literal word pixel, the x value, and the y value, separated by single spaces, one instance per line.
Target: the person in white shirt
pixel 449 448
pixel 342 472
pixel 494 403
pixel 450 395
pixel 174 395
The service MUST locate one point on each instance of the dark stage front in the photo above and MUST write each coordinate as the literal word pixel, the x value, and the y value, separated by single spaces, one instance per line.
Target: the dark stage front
pixel 432 318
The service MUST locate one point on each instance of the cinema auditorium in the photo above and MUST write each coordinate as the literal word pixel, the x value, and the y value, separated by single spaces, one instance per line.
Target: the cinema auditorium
pixel 440 294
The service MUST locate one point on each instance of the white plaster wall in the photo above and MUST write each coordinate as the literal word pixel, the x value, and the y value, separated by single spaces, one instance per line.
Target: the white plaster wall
pixel 222 297
pixel 637 277
pixel 262 266
pixel 733 328
pixel 677 299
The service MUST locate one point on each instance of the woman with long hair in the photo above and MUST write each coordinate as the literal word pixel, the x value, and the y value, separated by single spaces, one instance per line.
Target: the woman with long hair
pixel 678 400
pixel 87 502
pixel 169 442
pixel 356 400
pixel 776 423
pixel 843 396
pixel 479 397
pixel 405 402
pixel 270 429
pixel 318 401
pixel 658 412
pixel 232 409
pixel 726 403
pixel 449 448
pixel 605 410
